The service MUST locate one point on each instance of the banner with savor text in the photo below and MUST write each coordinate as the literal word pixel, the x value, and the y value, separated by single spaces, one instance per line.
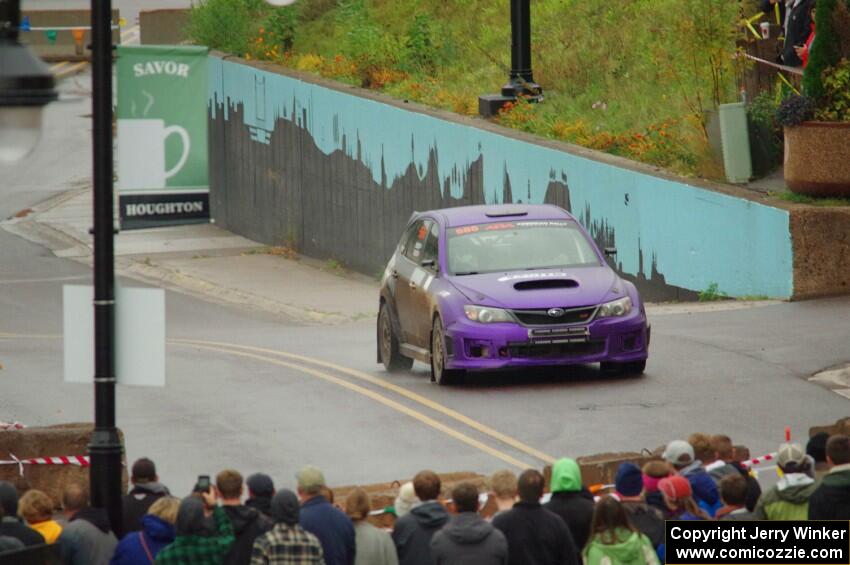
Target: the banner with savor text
pixel 162 135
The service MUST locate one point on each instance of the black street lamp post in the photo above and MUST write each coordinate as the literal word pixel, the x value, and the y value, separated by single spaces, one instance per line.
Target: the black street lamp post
pixel 105 448
pixel 520 80
pixel 26 86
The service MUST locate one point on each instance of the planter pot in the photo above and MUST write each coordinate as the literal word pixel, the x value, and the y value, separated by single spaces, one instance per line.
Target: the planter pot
pixel 817 158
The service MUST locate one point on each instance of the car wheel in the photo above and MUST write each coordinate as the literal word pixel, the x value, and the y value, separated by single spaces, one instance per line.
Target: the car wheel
pixel 439 373
pixel 392 359
pixel 635 368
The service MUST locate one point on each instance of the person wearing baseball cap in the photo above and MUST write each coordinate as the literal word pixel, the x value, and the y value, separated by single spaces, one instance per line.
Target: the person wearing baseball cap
pixel 319 517
pixel 788 499
pixel 680 454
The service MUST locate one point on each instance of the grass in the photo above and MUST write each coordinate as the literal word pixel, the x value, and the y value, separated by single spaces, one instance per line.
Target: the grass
pixel 803 199
pixel 334 266
pixel 630 79
pixel 284 251
pixel 712 294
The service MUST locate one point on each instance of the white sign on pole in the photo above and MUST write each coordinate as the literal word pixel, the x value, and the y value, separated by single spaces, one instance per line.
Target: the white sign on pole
pixel 139 335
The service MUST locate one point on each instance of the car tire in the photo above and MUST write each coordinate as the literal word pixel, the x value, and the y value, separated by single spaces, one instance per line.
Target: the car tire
pixel 388 349
pixel 439 373
pixel 634 368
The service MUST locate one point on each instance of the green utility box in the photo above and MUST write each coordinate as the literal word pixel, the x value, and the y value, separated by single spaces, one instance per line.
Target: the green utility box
pixel 735 137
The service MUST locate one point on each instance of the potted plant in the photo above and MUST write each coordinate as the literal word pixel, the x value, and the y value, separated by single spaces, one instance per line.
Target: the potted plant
pixel 817 124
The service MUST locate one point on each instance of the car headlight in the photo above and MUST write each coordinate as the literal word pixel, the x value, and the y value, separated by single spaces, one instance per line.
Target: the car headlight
pixel 619 307
pixel 486 315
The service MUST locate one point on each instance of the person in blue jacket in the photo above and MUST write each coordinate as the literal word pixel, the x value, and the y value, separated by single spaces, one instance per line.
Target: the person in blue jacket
pixel 140 548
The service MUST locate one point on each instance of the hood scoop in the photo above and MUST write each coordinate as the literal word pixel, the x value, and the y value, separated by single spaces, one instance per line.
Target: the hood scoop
pixel 546 284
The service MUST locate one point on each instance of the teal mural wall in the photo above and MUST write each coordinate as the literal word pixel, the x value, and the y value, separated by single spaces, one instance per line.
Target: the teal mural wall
pixel 669 234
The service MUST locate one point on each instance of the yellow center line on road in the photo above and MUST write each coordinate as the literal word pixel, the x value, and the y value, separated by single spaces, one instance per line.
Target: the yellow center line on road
pixel 418 398
pixel 248 351
pixel 369 394
pixel 129 32
pixel 57 66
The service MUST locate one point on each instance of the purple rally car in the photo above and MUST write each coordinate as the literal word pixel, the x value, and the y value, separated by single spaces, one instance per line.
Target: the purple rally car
pixel 487 287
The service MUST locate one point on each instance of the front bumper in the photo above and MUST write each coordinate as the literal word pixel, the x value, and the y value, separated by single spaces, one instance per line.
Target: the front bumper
pixel 475 346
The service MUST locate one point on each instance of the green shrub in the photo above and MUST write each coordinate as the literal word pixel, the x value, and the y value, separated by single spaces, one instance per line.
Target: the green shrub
pixel 795 110
pixel 281 25
pixel 825 49
pixel 835 104
pixel 227 25
pixel 315 9
pixel 421 51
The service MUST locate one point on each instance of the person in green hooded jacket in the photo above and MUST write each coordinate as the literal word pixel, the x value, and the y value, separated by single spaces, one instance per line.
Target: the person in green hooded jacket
pixel 614 540
pixel 570 499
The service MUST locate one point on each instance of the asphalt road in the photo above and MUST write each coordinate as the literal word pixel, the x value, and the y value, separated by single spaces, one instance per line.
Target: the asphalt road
pixel 255 392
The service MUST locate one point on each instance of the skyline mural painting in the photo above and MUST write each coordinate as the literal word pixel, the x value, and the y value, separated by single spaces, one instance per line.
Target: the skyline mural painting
pixel 338 175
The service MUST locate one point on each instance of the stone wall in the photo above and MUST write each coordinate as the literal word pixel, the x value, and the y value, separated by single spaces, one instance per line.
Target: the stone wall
pixel 821 240
pixel 50 441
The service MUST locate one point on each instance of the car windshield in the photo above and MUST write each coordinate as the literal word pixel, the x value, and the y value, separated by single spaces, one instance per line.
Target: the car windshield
pixel 516 246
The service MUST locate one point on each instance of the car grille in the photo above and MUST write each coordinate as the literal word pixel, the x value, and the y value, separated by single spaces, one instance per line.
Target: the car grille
pixel 542 318
pixel 556 350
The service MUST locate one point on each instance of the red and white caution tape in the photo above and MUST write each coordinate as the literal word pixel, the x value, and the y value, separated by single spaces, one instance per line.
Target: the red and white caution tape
pixel 759 460
pixel 76 460
pixel 786 68
pixel 8 426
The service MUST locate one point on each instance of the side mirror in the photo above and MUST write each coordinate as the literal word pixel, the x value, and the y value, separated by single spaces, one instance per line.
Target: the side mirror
pixel 429 263
pixel 610 251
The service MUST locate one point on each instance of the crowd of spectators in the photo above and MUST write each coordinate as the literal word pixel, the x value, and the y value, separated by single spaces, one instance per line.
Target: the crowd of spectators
pixel 236 521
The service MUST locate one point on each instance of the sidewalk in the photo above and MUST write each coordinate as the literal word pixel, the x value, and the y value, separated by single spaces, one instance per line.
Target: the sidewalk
pixel 213 264
pixel 207 262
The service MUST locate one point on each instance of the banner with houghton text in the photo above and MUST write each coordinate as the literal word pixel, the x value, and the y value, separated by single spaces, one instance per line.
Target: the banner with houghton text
pixel 162 135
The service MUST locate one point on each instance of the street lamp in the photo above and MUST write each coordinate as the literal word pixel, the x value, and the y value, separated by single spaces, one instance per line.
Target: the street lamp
pixel 26 86
pixel 105 448
pixel 520 79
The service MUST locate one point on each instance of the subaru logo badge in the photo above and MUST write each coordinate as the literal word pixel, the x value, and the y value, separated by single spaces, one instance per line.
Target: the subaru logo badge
pixel 555 312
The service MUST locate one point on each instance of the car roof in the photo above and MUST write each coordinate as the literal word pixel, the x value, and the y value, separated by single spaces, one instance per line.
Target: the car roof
pixel 467 215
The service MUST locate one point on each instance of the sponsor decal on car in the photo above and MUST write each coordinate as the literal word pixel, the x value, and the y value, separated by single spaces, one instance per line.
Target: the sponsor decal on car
pixel 526 276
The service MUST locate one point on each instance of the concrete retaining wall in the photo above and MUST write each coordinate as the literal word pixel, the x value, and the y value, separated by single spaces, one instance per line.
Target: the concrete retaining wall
pixel 336 172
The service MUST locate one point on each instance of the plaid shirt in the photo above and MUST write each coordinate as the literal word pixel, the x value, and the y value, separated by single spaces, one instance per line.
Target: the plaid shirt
pixel 287 545
pixel 200 550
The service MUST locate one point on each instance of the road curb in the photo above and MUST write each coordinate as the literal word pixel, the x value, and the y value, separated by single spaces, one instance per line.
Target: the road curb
pixel 175 280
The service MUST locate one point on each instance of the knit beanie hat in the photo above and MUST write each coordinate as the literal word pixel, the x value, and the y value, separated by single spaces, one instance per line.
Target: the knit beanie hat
pixel 629 480
pixel 285 508
pixel 653 472
pixel 675 487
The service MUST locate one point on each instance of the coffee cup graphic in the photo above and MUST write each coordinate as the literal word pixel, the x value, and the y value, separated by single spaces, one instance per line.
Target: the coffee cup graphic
pixel 141 153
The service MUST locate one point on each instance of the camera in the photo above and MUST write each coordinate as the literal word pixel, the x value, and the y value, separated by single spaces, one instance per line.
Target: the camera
pixel 203 484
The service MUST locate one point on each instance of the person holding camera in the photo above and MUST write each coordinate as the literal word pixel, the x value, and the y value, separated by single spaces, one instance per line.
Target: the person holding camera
pixel 194 545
